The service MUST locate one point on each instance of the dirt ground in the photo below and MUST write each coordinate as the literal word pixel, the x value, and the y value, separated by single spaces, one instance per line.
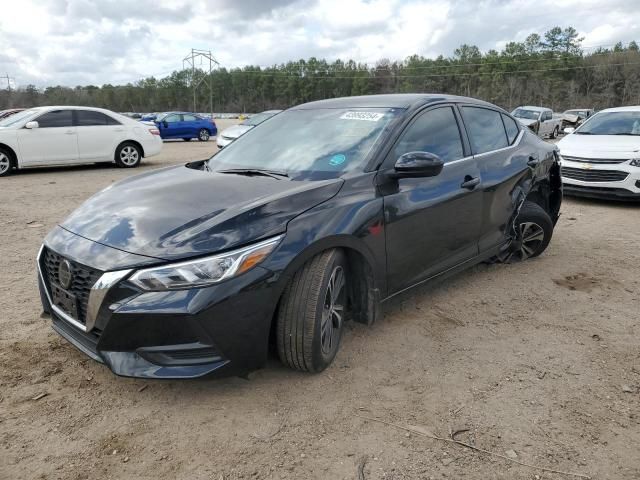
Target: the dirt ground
pixel 538 362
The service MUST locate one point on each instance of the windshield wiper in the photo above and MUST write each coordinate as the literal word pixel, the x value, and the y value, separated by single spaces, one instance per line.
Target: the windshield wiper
pixel 583 133
pixel 631 134
pixel 277 174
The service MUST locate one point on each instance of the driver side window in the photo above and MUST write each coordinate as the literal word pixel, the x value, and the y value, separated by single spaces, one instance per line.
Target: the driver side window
pixel 172 118
pixel 435 131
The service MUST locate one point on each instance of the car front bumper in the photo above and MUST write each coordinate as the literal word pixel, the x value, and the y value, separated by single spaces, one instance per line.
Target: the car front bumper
pixel 221 330
pixel 618 181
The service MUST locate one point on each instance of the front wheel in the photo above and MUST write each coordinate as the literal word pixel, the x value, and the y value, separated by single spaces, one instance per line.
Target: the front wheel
pixel 534 229
pixel 203 135
pixel 6 165
pixel 554 134
pixel 312 312
pixel 128 155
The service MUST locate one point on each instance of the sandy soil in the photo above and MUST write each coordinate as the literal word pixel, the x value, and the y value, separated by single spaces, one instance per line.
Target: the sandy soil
pixel 538 361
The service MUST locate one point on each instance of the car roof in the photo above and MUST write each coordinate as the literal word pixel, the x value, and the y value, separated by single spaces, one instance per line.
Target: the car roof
pixel 395 100
pixel 622 109
pixel 535 109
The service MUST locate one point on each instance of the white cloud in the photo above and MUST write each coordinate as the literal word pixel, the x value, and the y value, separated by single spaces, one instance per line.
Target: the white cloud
pixel 74 42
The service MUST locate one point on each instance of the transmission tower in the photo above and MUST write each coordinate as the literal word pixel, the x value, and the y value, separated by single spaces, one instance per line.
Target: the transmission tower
pixel 9 80
pixel 203 56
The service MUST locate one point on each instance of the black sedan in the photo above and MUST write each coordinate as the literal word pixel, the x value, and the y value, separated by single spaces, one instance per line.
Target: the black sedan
pixel 307 221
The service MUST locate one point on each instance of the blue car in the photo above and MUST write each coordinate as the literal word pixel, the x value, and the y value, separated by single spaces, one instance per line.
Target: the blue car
pixel 186 125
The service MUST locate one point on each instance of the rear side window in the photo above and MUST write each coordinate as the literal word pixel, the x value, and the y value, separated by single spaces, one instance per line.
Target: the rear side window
pixel 189 118
pixel 87 118
pixel 435 131
pixel 511 127
pixel 486 130
pixel 55 118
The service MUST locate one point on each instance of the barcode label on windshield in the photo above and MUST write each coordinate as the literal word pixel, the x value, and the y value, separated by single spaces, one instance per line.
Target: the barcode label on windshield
pixel 367 116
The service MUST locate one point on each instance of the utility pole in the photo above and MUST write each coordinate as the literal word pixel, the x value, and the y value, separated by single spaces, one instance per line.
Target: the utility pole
pixel 190 61
pixel 9 80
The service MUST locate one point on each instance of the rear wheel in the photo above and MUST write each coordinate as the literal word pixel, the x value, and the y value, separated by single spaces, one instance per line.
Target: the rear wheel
pixel 6 163
pixel 554 134
pixel 128 155
pixel 312 313
pixel 203 135
pixel 534 229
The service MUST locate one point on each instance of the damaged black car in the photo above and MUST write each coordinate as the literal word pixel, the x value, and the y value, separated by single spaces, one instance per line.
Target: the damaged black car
pixel 311 219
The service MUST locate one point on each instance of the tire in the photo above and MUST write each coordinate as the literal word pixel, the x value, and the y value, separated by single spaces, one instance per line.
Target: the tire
pixel 534 231
pixel 6 163
pixel 203 135
pixel 309 323
pixel 128 155
pixel 554 134
pixel 187 139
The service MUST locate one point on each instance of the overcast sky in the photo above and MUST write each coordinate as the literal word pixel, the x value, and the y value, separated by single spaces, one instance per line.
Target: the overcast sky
pixel 77 42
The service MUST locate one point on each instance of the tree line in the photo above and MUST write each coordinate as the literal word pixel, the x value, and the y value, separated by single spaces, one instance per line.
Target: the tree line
pixel 551 70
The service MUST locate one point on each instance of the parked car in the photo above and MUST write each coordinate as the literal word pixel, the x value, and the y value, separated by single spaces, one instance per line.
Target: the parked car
pixel 573 118
pixel 9 112
pixel 601 158
pixel 540 120
pixel 228 135
pixel 186 125
pixel 72 135
pixel 311 219
pixel 149 117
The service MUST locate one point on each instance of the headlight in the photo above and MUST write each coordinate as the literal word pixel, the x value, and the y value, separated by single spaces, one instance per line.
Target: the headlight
pixel 204 271
pixel 635 162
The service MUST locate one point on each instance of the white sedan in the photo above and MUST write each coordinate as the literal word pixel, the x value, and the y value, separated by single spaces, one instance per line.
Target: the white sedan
pixel 74 135
pixel 601 158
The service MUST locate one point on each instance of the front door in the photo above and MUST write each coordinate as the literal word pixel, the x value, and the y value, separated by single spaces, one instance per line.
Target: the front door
pixel 55 140
pixel 432 224
pixel 171 126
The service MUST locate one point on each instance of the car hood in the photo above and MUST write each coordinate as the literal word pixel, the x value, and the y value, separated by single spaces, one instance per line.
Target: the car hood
pixel 600 146
pixel 571 117
pixel 526 121
pixel 179 212
pixel 236 131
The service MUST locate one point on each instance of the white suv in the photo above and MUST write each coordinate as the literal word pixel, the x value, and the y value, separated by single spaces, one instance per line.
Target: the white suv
pixel 71 135
pixel 601 158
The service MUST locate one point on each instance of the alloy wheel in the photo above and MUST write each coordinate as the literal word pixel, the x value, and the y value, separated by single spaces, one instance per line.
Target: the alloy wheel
pixel 129 155
pixel 5 163
pixel 204 135
pixel 530 237
pixel 333 311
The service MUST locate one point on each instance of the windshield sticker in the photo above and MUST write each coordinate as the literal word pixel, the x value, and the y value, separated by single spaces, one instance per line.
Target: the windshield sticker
pixel 366 116
pixel 337 159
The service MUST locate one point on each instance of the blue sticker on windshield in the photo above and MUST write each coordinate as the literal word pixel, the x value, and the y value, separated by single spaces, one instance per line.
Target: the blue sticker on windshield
pixel 337 159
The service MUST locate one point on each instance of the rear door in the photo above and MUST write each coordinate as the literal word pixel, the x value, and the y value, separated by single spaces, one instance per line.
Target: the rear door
pixel 55 141
pixel 432 224
pixel 495 139
pixel 191 125
pixel 98 135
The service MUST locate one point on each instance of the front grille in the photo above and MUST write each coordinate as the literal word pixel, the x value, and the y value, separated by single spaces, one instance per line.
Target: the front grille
pixel 608 161
pixel 83 279
pixel 594 175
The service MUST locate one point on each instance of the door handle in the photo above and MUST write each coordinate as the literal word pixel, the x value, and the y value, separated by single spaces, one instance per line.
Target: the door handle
pixel 69 132
pixel 470 182
pixel 533 161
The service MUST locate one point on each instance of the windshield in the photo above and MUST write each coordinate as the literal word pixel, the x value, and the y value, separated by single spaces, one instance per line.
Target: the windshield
pixel 17 117
pixel 258 118
pixel 526 114
pixel 612 123
pixel 308 144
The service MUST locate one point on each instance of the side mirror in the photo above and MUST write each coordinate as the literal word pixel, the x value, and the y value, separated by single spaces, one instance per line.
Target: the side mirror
pixel 569 130
pixel 417 164
pixel 165 124
pixel 32 124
